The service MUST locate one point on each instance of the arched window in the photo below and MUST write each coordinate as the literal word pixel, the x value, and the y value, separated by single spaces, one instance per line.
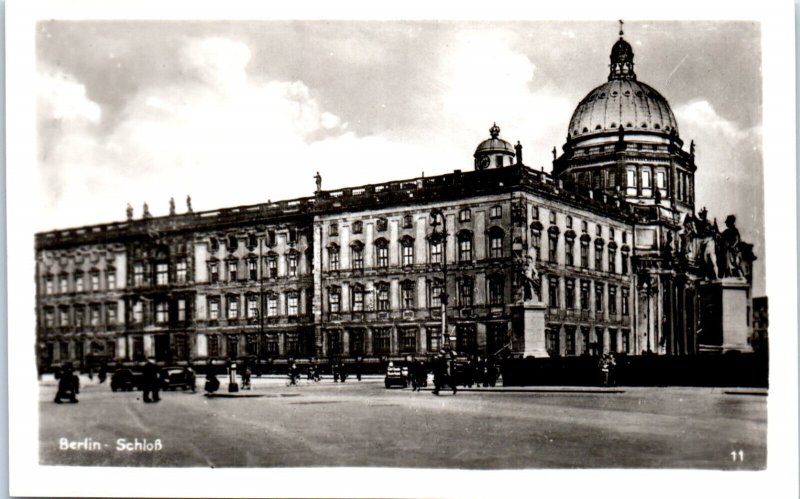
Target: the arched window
pixel 381 253
pixel 496 236
pixel 465 246
pixel 407 248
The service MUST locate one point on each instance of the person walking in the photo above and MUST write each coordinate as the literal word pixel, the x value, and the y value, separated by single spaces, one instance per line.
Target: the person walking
pixel 68 386
pixel 151 381
pixel 212 383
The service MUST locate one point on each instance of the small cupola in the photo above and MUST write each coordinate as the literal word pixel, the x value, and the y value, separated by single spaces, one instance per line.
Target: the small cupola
pixel 494 152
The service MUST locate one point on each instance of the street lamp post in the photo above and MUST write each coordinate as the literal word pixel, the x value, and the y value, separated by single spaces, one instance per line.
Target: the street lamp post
pixel 439 236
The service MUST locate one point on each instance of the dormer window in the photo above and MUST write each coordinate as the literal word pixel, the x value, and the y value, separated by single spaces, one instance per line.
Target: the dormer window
pixel 358 227
pixel 408 221
pixel 333 229
pixel 496 211
pixel 382 224
pixel 464 215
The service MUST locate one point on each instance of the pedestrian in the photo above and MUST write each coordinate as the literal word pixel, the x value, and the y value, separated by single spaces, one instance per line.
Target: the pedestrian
pixel 191 377
pixel 246 378
pixel 335 371
pixel 151 381
pixel 443 375
pixel 102 374
pixel 358 368
pixel 294 373
pixel 342 371
pixel 491 372
pixel 68 386
pixel 212 383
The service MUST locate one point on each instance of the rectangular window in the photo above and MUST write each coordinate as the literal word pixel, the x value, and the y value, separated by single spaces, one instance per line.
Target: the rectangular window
pixel 292 262
pixel 270 342
pixel 552 292
pixel 569 297
pixel 48 285
pixel 49 319
pixel 94 315
pixel 569 341
pixel 408 254
pixel 569 221
pixel 333 229
pixel 645 179
pixel 612 299
pixel 553 249
pixel 598 297
pixel 358 299
pixel 466 338
pixel 465 292
pixel 598 258
pixel 213 345
pixel 252 269
pixel 233 346
pixel 381 341
pixel 552 218
pixel 584 255
pixel 272 306
pixel 292 304
pixel 434 339
pixel 292 342
pixel 496 247
pixel 624 263
pixel 465 250
pixel 569 247
pixel 598 230
pixel 383 297
pixel 111 314
pixel 95 281
pixel 138 312
pixel 233 269
pixel 213 271
pixel 536 242
pixel 435 298
pixel 584 295
pixel 180 271
pixel 383 256
pixel 79 282
pixel 233 307
pixel 79 315
pixel 626 341
pixel 496 291
pixel 181 310
pixel 333 258
pixel 138 274
pixel 63 284
pixel 408 340
pixel 162 312
pixel 252 307
pixel 358 258
pixel 496 212
pixel 464 215
pixel 612 261
pixel 408 295
pixel 625 309
pixel 272 267
pixel 251 344
pixel 436 252
pixel 213 309
pixel 334 300
pixel 63 317
pixel 162 274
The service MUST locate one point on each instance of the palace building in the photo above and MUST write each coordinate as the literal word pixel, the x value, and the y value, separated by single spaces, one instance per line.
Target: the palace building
pixel 623 262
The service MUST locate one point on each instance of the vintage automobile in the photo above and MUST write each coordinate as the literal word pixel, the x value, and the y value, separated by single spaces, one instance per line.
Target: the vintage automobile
pixel 172 379
pixel 395 377
pixel 125 380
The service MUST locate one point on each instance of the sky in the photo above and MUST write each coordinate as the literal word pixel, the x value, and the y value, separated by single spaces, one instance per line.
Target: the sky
pixel 237 113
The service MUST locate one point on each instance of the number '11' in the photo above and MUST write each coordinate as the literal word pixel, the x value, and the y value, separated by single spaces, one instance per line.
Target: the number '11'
pixel 737 455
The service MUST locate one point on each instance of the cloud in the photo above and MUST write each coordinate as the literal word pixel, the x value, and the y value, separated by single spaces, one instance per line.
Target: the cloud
pixel 62 98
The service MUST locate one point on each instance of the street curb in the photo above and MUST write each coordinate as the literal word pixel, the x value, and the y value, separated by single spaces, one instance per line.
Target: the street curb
pixel 530 390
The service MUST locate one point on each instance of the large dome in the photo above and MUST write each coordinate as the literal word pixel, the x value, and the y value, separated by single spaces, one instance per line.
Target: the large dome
pixel 622 101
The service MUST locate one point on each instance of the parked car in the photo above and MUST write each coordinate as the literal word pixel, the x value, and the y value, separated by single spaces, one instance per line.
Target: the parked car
pixel 395 377
pixel 175 378
pixel 125 380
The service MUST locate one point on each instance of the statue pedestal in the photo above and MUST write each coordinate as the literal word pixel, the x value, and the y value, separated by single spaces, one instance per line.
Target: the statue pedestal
pixel 533 329
pixel 724 322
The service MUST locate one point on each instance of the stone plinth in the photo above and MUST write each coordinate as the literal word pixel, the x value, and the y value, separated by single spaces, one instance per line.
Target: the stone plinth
pixel 724 305
pixel 533 329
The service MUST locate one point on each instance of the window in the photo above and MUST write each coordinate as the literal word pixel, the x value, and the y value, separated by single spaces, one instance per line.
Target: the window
pixel 598 297
pixel 465 246
pixel 598 230
pixel 612 260
pixel 383 296
pixel 292 342
pixel 358 256
pixel 624 237
pixel 408 221
pixel 95 280
pixel 535 212
pixel 333 257
pixel 356 342
pixel 271 238
pixel 467 338
pixel 94 315
pixel 79 311
pixel 181 310
pixel 272 306
pixel 213 345
pixel 465 288
pixel 497 337
pixel 233 346
pixel 233 269
pixel 272 266
pixel 496 242
pixel 407 251
pixel 624 263
pixel 584 226
pixel 270 342
pixel 551 341
pixel 496 211
pixel 232 243
pixel 645 179
pixel 435 293
pixel 111 279
pixel 63 283
pixel 436 252
pixel 162 312
pixel 213 271
pixel 252 242
pixel 233 307
pixel 584 254
pixel 213 244
pixel 292 235
pixel 252 306
pixel 78 282
pixel 291 261
pixel 251 344
pixel 552 218
pixel 333 229
pixel 626 341
pixel 625 304
pixel 569 221
pixel 358 227
pixel 48 285
pixel 584 295
pixel 408 295
pixel 213 308
pixel 358 298
pixel 569 341
pixel 180 271
pixel 382 253
pixel 381 340
pixel 252 269
pixel 496 290
pixel 162 274
pixel 334 299
pixel 292 304
pixel 569 248
pixel 138 312
pixel 611 233
pixel 612 299
pixel 661 182
pixel 434 339
pixel 553 248
pixel 382 224
pixel 598 257
pixel 536 242
pixel 49 318
pixel 408 340
pixel 569 295
pixel 111 313
pixel 464 215
pixel 552 292
pixel 63 317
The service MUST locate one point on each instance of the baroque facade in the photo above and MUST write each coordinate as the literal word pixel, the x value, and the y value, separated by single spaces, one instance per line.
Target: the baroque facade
pixel 623 263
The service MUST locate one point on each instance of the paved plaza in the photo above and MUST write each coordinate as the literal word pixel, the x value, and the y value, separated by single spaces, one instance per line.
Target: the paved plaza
pixel 364 424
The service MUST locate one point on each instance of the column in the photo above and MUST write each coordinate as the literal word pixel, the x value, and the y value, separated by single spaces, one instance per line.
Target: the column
pixel 368 341
pixel 422 340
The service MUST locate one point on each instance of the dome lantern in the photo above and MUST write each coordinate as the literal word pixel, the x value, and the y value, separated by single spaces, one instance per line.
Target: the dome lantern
pixel 494 152
pixel 621 59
